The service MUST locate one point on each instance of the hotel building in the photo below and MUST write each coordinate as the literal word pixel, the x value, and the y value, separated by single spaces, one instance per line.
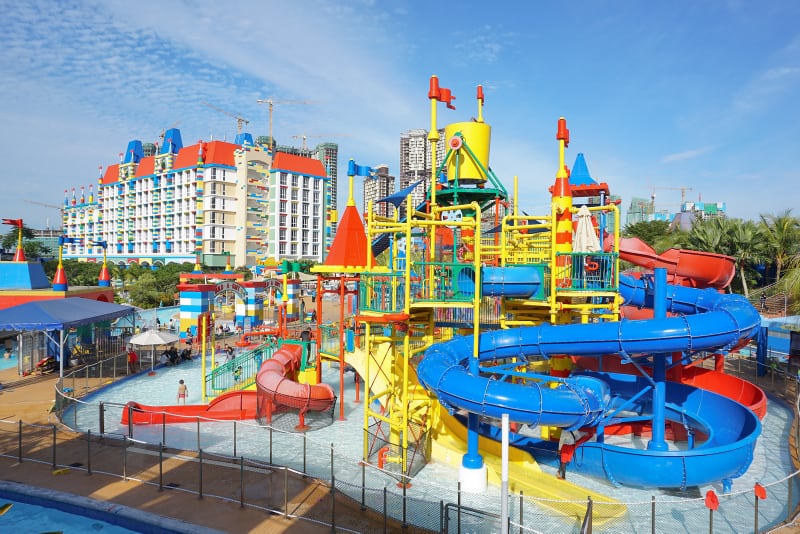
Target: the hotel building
pixel 214 203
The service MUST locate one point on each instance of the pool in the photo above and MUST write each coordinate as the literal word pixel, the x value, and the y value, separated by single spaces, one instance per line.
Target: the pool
pixel 8 363
pixel 42 510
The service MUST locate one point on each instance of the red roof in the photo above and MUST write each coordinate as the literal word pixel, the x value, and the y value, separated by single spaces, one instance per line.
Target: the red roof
pixel 298 165
pixel 214 153
pixel 111 175
pixel 146 166
pixel 350 246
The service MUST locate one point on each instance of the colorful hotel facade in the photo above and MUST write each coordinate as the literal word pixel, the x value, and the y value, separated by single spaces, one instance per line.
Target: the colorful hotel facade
pixel 214 203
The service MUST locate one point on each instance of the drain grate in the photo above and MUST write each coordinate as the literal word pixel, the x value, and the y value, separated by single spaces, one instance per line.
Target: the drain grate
pixel 76 464
pixel 172 485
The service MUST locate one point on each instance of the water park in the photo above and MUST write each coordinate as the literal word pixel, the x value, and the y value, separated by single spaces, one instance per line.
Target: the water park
pixel 490 369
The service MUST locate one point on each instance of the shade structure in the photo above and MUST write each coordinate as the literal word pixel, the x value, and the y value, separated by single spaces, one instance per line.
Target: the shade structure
pixel 153 338
pixel 585 239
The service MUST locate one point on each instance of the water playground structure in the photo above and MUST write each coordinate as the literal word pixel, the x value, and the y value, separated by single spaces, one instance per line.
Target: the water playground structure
pixel 467 310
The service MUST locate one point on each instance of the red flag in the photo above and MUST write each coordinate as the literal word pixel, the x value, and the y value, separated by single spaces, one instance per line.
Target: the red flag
pixel 760 491
pixel 442 94
pixel 13 222
pixel 712 501
pixel 447 97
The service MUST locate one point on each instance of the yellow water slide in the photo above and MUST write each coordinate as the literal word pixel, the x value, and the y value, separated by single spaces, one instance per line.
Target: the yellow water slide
pixel 449 443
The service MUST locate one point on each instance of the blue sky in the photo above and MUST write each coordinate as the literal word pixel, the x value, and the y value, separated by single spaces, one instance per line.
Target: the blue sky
pixel 694 94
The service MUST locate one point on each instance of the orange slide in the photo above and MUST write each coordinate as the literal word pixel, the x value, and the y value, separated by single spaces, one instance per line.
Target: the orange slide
pixel 236 405
pixel 273 382
pixel 275 387
pixel 694 269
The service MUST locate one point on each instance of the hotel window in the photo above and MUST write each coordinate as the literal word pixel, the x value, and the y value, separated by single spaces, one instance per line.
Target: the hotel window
pixel 305 235
pixel 213 188
pixel 305 222
pixel 305 182
pixel 283 220
pixel 282 249
pixel 305 249
pixel 283 178
pixel 294 234
pixel 305 196
pixel 294 221
pixel 315 250
pixel 283 206
pixel 213 174
pixel 282 234
pixel 294 194
pixel 316 197
pixel 294 180
pixel 294 208
pixel 283 193
pixel 294 249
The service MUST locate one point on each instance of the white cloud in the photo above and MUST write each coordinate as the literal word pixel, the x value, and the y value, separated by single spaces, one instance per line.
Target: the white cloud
pixel 687 154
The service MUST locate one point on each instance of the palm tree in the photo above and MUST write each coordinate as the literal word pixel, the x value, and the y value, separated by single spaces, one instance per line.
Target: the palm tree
pixel 746 244
pixel 782 233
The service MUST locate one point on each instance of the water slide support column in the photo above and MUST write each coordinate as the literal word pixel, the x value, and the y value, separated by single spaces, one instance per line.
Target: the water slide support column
pixel 657 441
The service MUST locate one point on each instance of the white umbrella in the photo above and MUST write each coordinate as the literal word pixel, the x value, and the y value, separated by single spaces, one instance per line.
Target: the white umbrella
pixel 585 239
pixel 152 339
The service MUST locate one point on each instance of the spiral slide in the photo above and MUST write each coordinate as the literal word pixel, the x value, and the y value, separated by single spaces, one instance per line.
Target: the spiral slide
pixel 708 321
pixel 272 380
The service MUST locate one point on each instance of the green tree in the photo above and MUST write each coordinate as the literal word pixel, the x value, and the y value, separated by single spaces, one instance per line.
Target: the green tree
pixel 32 249
pixel 746 244
pixel 782 233
pixel 651 232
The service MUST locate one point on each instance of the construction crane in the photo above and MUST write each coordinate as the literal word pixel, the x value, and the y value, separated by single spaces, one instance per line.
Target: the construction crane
pixel 270 102
pixel 60 208
pixel 683 191
pixel 240 121
pixel 304 137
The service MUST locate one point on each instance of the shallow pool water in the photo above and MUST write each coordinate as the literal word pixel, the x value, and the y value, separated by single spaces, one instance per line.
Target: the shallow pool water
pixel 23 517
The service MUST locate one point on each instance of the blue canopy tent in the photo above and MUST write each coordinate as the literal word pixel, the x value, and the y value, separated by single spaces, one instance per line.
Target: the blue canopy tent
pixel 61 315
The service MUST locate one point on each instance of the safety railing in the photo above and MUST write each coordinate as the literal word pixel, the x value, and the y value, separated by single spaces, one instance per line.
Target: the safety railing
pixel 378 489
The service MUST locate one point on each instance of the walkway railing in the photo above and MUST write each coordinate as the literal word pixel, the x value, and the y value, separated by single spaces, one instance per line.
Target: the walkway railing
pixel 384 491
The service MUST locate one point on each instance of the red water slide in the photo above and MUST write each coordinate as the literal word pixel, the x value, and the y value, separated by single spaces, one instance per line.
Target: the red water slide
pixel 275 387
pixel 235 405
pixel 694 269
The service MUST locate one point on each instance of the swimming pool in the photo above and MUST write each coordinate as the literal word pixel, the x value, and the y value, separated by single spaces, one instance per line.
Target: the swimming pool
pixel 42 510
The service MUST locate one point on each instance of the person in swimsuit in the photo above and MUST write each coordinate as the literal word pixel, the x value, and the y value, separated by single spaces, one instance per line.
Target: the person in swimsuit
pixel 183 391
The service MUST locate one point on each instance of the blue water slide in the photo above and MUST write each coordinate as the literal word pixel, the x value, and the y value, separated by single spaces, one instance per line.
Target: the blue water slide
pixel 706 320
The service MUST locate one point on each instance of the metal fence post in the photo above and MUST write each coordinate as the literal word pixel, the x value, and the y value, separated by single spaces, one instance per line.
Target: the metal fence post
pixel 653 514
pixel 163 428
pixel 305 440
pixel 333 494
pixel 198 433
pixel 102 419
pixel 286 491
pixel 385 512
pixel 234 438
pixel 160 467
pixel 200 457
pixel 19 442
pixel 125 458
pixel 363 486
pixel 241 480
pixel 89 451
pixel 521 509
pixel 270 444
pixel 458 514
pixel 54 446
